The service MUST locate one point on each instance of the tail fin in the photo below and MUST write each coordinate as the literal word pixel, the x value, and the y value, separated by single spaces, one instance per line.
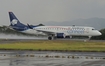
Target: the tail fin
pixel 15 23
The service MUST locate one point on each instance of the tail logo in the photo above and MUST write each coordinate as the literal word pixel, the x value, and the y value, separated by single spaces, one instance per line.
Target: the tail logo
pixel 14 21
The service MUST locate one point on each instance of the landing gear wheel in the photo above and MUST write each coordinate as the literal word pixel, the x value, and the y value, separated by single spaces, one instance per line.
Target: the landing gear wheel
pixel 49 38
pixel 90 37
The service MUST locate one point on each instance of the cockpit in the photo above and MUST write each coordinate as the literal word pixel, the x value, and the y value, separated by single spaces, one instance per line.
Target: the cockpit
pixel 93 29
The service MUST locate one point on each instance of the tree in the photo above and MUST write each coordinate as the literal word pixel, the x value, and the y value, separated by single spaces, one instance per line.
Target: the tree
pixel 41 25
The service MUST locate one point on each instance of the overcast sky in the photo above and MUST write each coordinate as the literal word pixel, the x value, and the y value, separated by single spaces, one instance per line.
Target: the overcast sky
pixel 40 11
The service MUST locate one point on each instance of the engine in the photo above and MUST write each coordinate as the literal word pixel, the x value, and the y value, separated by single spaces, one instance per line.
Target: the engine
pixel 60 35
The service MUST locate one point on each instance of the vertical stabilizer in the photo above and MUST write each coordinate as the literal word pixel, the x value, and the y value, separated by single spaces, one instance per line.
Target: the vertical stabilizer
pixel 15 23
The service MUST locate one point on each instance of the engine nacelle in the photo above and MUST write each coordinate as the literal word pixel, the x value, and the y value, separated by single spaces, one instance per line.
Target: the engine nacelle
pixel 60 35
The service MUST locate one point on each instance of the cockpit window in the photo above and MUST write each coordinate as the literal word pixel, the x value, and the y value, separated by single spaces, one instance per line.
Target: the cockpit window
pixel 93 29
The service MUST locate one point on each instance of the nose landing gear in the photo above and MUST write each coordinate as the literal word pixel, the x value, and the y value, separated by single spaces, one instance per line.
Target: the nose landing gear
pixel 90 37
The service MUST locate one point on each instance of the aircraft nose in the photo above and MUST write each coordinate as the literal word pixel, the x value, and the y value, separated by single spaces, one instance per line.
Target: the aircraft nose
pixel 99 33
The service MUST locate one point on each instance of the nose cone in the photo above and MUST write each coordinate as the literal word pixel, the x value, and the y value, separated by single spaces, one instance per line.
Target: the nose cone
pixel 97 33
pixel 100 33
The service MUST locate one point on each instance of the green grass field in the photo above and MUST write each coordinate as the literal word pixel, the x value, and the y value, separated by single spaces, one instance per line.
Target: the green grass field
pixel 57 45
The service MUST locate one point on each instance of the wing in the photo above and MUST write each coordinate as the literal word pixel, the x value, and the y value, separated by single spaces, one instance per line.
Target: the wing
pixel 47 32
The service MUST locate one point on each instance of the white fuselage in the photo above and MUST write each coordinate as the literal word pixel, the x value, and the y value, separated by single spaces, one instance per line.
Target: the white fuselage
pixel 67 30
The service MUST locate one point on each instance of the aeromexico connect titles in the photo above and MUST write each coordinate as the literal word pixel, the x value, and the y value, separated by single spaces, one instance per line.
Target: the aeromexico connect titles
pixel 52 31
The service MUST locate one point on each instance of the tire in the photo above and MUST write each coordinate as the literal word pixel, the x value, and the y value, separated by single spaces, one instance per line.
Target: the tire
pixel 49 38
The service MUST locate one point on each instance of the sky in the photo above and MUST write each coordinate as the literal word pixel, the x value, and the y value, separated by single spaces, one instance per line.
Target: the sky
pixel 41 11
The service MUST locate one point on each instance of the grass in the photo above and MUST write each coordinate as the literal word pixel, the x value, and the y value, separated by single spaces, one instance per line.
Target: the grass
pixel 59 45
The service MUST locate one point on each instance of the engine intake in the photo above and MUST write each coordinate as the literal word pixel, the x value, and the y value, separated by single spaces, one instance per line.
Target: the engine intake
pixel 60 35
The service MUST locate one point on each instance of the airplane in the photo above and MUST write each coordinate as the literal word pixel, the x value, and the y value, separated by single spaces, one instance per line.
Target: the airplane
pixel 53 32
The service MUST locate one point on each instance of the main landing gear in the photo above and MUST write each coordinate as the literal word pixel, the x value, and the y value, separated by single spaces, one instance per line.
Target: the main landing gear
pixel 50 38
